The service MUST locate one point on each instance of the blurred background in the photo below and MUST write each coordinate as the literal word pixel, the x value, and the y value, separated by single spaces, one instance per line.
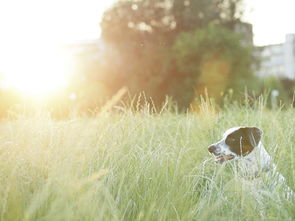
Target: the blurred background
pixel 65 55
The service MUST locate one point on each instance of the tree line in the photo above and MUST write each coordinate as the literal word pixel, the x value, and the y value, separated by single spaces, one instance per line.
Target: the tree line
pixel 176 48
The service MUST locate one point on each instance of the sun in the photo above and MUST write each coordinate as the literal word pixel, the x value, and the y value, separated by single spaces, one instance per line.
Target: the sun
pixel 31 34
pixel 41 72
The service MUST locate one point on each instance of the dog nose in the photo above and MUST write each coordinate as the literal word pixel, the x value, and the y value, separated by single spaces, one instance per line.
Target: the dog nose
pixel 212 148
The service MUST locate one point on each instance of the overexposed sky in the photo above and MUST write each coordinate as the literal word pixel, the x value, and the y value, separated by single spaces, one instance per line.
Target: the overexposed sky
pixel 271 19
pixel 30 33
pixel 54 21
pixel 63 21
pixel 32 30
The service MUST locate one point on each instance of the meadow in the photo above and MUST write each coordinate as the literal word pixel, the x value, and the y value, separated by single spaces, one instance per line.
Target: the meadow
pixel 138 165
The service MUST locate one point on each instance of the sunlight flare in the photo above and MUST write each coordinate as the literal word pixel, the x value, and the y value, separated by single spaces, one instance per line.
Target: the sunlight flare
pixel 30 62
pixel 38 73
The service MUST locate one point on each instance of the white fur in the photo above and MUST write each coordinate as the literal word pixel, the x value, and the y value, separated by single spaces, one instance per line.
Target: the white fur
pixel 255 165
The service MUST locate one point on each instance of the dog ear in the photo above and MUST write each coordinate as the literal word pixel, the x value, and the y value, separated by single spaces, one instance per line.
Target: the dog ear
pixel 254 135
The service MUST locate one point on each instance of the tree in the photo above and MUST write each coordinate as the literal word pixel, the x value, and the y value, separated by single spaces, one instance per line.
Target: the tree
pixel 214 59
pixel 143 33
pixel 138 21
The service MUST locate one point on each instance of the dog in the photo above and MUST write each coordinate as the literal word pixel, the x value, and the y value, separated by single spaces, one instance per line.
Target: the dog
pixel 243 145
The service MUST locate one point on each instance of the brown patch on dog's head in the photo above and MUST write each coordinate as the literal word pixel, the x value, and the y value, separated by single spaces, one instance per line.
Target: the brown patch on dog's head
pixel 244 140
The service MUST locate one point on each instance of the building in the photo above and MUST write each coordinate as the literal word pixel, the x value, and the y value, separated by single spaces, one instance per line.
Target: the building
pixel 289 56
pixel 278 60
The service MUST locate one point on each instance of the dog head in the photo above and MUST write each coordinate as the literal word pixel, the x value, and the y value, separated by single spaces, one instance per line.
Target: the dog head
pixel 236 142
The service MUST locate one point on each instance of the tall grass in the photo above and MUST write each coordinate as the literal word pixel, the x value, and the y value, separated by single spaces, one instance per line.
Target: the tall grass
pixel 138 166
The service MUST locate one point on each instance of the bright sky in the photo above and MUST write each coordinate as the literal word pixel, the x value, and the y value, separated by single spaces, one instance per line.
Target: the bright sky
pixel 30 30
pixel 271 19
pixel 26 22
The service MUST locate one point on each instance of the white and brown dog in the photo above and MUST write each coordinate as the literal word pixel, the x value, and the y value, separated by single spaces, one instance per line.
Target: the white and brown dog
pixel 244 146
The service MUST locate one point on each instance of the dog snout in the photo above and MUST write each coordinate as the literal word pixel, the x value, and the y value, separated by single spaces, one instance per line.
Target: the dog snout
pixel 212 149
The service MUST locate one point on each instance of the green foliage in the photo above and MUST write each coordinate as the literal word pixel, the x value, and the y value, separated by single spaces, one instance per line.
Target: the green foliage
pixel 160 20
pixel 143 33
pixel 283 87
pixel 138 166
pixel 214 58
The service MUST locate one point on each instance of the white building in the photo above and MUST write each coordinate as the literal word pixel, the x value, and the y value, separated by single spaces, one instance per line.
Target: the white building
pixel 278 60
pixel 289 56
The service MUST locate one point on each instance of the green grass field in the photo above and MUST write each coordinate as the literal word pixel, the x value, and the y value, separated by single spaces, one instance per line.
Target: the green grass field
pixel 137 166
